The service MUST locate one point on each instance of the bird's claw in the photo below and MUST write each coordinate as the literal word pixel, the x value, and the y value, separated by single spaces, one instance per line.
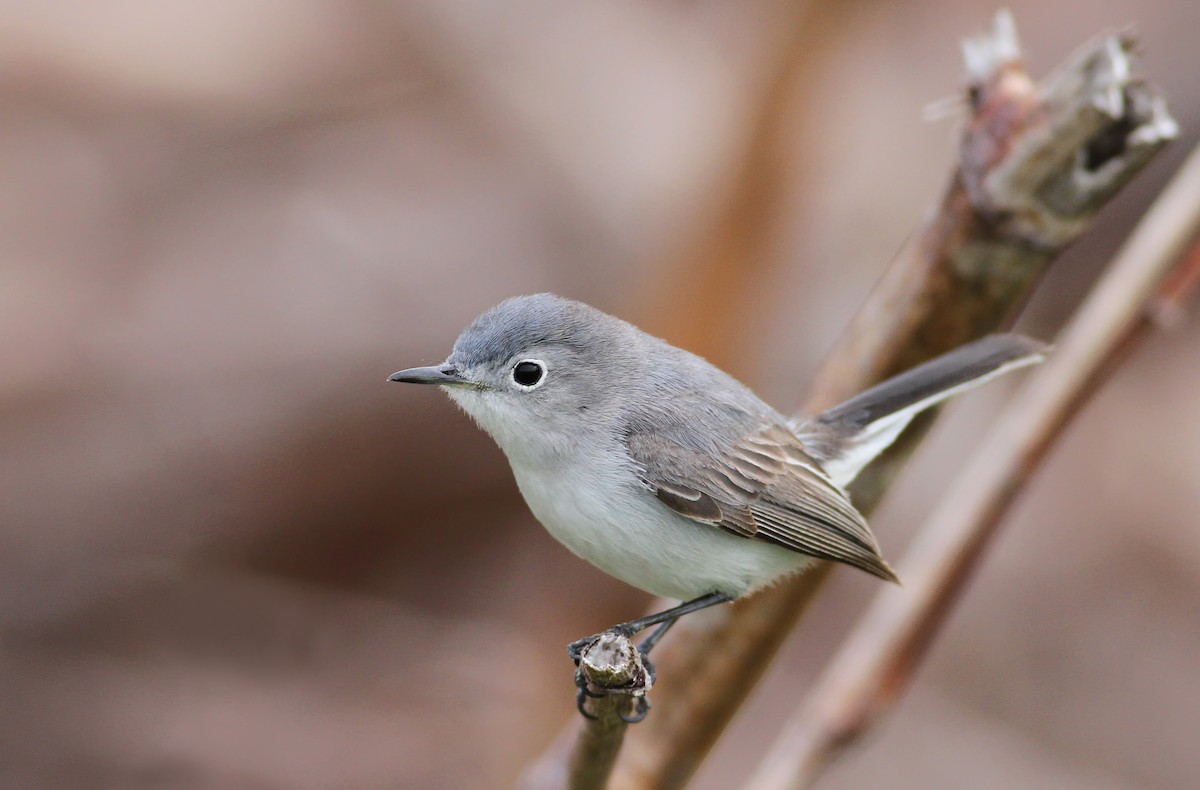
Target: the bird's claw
pixel 651 673
pixel 583 690
pixel 640 710
pixel 581 704
pixel 576 648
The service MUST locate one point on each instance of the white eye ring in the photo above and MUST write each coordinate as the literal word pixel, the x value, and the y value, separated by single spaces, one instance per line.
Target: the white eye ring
pixel 541 379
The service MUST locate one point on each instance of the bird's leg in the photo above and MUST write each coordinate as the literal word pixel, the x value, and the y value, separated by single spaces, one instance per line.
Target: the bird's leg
pixel 664 619
pixel 583 692
pixel 641 708
pixel 647 644
pixel 670 615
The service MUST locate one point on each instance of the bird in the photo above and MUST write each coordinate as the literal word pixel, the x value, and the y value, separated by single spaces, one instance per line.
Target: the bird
pixel 666 472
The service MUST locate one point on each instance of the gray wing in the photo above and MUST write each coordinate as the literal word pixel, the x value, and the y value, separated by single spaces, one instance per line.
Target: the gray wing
pixel 764 486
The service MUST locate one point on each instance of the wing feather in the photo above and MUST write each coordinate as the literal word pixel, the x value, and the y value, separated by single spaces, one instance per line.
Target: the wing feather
pixel 765 487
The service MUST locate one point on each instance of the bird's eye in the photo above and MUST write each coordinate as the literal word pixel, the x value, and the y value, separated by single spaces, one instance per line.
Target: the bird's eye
pixel 528 373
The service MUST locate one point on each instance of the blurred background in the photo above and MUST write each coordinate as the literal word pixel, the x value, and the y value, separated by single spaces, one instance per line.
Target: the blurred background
pixel 231 556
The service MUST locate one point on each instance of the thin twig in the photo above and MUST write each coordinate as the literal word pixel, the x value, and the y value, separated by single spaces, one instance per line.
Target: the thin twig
pixel 877 660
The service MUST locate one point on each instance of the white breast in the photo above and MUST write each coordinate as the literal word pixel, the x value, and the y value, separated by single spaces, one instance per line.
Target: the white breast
pixel 599 510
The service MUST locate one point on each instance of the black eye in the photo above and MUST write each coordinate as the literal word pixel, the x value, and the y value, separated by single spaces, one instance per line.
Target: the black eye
pixel 528 373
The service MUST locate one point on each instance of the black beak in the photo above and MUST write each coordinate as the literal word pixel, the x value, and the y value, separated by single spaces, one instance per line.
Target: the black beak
pixel 445 375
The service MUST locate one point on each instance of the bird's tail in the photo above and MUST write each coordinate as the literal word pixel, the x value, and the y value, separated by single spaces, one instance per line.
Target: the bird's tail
pixel 849 436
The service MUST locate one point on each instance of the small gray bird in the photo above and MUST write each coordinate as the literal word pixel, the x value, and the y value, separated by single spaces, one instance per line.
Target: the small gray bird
pixel 666 472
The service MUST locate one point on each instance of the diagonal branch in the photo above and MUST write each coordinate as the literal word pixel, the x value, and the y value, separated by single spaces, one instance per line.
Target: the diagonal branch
pixel 877 660
pixel 1035 164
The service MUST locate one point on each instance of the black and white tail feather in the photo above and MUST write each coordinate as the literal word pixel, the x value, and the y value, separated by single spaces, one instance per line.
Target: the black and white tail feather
pixel 852 434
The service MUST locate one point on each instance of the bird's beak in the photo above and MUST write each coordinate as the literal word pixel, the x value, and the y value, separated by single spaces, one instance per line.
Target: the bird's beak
pixel 445 375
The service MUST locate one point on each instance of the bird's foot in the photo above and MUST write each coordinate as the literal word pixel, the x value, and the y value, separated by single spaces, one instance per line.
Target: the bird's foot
pixel 576 649
pixel 583 692
pixel 640 709
pixel 609 663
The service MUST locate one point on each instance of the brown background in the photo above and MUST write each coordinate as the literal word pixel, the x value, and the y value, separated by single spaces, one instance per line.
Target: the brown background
pixel 231 556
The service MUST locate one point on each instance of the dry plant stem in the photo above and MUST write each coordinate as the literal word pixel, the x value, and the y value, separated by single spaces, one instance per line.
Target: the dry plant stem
pixel 611 667
pixel 961 276
pixel 878 659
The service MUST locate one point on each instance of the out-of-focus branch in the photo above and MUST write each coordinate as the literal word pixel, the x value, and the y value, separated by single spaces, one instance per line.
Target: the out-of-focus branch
pixel 879 657
pixel 961 276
